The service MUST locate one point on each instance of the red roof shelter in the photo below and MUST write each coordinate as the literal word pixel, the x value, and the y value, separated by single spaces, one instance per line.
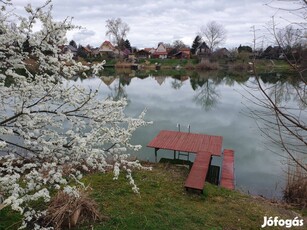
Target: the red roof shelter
pixel 203 145
pixel 187 142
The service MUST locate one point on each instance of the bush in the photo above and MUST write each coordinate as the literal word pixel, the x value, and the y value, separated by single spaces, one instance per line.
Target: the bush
pixel 68 211
pixel 207 65
pixel 296 187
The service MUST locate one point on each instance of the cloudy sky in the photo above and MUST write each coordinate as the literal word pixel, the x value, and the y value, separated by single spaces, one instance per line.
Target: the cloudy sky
pixel 156 21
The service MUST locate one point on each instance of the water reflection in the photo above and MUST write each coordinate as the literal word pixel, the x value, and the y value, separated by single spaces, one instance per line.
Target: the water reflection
pixel 117 89
pixel 212 104
pixel 177 84
pixel 282 117
pixel 205 86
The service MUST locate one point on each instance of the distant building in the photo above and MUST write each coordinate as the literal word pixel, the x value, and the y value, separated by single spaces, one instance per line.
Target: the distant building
pixel 107 49
pixel 203 49
pixel 106 46
pixel 142 54
pixel 70 49
pixel 150 50
pixel 160 51
pixel 183 53
pixel 275 52
pixel 88 50
pixel 95 52
pixel 222 53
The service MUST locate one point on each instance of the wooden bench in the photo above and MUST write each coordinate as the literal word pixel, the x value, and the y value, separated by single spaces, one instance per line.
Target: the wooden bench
pixel 198 173
pixel 227 177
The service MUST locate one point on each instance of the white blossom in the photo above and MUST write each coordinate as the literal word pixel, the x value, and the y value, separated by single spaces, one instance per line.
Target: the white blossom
pixel 52 129
pixel 2 144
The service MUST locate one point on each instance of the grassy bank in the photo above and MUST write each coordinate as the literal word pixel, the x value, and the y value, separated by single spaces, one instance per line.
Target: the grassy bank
pixel 262 65
pixel 164 204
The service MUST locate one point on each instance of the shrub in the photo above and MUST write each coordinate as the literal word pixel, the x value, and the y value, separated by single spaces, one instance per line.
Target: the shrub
pixel 66 211
pixel 205 64
pixel 296 187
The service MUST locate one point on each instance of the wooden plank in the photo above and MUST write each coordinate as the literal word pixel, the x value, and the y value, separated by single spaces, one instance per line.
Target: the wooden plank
pixel 173 143
pixel 227 177
pixel 193 142
pixel 164 139
pixel 205 143
pixel 215 145
pixel 183 143
pixel 197 176
pixel 187 142
pixel 197 142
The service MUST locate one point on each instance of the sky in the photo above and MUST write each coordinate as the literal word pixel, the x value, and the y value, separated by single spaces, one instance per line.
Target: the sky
pixel 165 21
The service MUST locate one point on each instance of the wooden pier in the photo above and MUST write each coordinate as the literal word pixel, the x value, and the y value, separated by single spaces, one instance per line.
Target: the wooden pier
pixel 197 176
pixel 227 178
pixel 204 146
pixel 186 142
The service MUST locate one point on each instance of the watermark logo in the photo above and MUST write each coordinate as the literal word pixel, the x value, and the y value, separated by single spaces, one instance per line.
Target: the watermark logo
pixel 277 222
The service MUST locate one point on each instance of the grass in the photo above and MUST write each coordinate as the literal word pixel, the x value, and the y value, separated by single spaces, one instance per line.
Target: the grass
pixel 9 219
pixel 164 204
pixel 169 61
pixel 263 65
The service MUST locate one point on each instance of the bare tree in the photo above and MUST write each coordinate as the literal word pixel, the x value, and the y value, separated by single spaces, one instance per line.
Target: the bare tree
pixel 214 34
pixel 289 37
pixel 178 44
pixel 283 106
pixel 117 30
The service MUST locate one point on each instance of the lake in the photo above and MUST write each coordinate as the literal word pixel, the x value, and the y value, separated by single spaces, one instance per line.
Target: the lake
pixel 209 103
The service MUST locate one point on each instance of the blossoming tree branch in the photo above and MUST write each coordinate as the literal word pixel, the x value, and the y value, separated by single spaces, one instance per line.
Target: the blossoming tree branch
pixel 51 131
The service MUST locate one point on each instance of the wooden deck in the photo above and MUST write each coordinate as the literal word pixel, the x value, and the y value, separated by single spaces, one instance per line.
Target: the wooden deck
pixel 205 146
pixel 187 142
pixel 197 176
pixel 227 177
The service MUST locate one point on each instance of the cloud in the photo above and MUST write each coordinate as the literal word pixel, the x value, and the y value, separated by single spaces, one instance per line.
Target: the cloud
pixel 84 36
pixel 164 20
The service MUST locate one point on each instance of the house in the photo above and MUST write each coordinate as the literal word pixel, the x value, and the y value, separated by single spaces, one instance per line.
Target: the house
pixel 186 52
pixel 70 49
pixel 107 49
pixel 183 53
pixel 125 53
pixel 150 50
pixel 106 46
pixel 87 49
pixel 222 53
pixel 272 52
pixel 95 52
pixel 160 52
pixel 84 51
pixel 142 54
pixel 203 49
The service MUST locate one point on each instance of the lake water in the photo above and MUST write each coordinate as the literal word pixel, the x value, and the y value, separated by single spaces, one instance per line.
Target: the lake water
pixel 210 104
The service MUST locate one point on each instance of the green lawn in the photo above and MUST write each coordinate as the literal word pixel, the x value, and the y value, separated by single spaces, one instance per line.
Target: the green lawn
pixel 164 204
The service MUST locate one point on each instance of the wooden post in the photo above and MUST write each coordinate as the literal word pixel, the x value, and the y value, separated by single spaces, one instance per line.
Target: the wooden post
pixel 174 154
pixel 156 158
pixel 210 161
